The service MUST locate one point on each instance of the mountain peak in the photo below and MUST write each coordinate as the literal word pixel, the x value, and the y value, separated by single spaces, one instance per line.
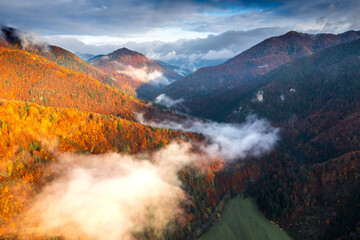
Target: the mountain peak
pixel 295 34
pixel 124 52
pixel 292 32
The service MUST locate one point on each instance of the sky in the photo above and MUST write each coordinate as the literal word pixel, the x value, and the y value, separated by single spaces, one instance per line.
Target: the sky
pixel 180 32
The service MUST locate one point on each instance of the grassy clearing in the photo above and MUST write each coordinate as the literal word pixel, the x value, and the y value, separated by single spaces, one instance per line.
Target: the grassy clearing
pixel 242 220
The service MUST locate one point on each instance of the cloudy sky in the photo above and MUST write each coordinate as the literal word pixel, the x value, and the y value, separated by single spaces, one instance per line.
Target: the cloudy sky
pixel 176 31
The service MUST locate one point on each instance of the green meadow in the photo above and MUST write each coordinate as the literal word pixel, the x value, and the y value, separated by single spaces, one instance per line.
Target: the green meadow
pixel 242 220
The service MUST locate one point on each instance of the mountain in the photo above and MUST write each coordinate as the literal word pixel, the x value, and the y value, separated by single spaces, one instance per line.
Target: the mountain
pixel 16 39
pixel 313 84
pixel 237 73
pixel 29 77
pixel 146 76
pixel 315 101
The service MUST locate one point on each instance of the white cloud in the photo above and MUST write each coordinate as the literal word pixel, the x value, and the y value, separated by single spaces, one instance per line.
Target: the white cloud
pixel 31 39
pixel 222 54
pixel 110 196
pixel 226 140
pixel 163 99
pixel 143 74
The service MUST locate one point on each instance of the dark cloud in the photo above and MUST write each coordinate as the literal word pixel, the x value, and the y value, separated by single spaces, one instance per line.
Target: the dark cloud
pixel 125 18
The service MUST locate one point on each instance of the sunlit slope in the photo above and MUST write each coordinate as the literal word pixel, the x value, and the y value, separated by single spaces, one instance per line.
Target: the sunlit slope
pixel 29 77
pixel 242 220
pixel 31 136
pixel 18 40
pixel 71 61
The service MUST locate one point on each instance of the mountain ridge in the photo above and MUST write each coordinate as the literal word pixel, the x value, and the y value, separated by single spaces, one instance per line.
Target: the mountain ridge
pixel 257 60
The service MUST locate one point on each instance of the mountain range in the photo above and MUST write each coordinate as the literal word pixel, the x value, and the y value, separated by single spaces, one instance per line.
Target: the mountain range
pixel 209 90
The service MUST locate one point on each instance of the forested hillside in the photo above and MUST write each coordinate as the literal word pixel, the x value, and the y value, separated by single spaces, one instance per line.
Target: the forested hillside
pixel 315 101
pixel 209 90
pixel 33 135
pixel 30 77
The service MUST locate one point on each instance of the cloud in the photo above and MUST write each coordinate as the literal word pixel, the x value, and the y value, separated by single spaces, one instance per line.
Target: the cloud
pixel 163 99
pixel 160 20
pixel 222 54
pixel 110 196
pixel 31 39
pixel 226 140
pixel 92 17
pixel 143 74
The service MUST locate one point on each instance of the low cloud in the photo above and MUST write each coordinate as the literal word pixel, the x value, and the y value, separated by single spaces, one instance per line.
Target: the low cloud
pixel 31 39
pixel 163 99
pixel 143 74
pixel 110 196
pixel 226 140
pixel 114 196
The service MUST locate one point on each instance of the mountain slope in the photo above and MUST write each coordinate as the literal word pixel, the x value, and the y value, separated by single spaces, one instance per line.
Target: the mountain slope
pixel 32 137
pixel 321 82
pixel 315 101
pixel 142 73
pixel 16 39
pixel 29 77
pixel 256 61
